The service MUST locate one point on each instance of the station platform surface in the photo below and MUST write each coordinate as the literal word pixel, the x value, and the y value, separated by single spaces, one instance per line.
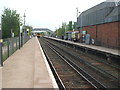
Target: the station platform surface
pixel 27 68
pixel 99 48
pixel 0 78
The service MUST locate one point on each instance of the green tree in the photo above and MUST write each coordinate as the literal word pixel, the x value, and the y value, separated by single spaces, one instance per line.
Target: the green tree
pixel 64 28
pixel 74 25
pixel 70 26
pixel 10 23
pixel 61 30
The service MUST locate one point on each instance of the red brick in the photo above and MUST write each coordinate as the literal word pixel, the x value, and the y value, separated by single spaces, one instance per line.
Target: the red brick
pixel 108 34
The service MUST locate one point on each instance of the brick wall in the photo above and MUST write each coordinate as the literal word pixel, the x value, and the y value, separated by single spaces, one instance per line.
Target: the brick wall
pixel 119 36
pixel 91 30
pixel 106 34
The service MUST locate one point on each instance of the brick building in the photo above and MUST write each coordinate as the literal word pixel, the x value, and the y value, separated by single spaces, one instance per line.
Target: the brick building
pixel 102 23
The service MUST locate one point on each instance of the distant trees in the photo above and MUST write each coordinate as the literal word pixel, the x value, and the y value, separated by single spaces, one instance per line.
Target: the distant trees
pixel 70 26
pixel 10 23
pixel 64 28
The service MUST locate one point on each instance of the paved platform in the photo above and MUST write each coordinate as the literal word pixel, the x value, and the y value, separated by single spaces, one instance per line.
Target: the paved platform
pixel 0 78
pixel 28 68
pixel 99 48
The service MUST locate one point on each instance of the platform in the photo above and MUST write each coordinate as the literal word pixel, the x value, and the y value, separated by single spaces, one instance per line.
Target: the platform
pixel 99 48
pixel 28 68
pixel 0 78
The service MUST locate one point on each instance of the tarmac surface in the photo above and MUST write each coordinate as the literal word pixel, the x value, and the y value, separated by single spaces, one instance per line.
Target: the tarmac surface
pixel 27 68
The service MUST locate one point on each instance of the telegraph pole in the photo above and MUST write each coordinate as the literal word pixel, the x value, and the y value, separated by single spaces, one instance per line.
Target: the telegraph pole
pixel 23 32
pixel 24 24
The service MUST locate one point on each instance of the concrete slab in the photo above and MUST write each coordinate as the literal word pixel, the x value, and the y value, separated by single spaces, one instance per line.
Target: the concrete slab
pixel 99 48
pixel 43 75
pixel 18 70
pixel 0 78
pixel 26 68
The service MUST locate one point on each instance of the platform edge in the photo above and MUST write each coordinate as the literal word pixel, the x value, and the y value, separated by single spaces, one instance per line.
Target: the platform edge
pixel 54 83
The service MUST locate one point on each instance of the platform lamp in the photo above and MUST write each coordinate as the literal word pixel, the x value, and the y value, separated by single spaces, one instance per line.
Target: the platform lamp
pixel 1 40
pixel 19 36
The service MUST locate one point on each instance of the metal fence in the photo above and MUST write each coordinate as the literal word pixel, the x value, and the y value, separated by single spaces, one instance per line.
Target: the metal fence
pixel 10 45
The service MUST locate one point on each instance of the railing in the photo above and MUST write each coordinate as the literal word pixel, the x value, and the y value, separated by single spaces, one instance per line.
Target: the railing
pixel 10 45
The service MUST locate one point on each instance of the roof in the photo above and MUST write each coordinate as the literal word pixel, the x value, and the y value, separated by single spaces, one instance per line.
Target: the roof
pixel 99 7
pixel 41 29
pixel 101 13
pixel 38 31
pixel 114 15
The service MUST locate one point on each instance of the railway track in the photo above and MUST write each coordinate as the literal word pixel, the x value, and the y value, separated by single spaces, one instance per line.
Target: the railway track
pixel 68 73
pixel 68 76
pixel 106 69
pixel 102 76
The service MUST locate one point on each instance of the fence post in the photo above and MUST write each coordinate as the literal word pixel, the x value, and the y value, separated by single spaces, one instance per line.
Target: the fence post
pixel 8 48
pixel 16 43
pixel 19 42
pixel 1 61
pixel 21 39
pixel 12 48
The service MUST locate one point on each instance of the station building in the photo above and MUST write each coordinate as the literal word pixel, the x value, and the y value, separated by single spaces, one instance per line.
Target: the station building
pixel 42 31
pixel 102 22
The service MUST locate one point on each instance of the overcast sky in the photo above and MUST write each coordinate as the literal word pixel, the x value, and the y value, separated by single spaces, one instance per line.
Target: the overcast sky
pixel 48 13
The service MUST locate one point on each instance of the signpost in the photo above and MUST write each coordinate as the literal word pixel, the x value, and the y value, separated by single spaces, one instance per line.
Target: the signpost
pixel 1 62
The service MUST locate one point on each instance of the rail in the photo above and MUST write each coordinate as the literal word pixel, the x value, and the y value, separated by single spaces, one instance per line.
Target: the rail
pixel 83 73
pixel 95 83
pixel 76 58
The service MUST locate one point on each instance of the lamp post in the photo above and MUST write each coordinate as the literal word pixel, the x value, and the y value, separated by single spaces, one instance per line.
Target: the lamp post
pixel 77 12
pixel 77 15
pixel 1 62
pixel 19 37
pixel 24 32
